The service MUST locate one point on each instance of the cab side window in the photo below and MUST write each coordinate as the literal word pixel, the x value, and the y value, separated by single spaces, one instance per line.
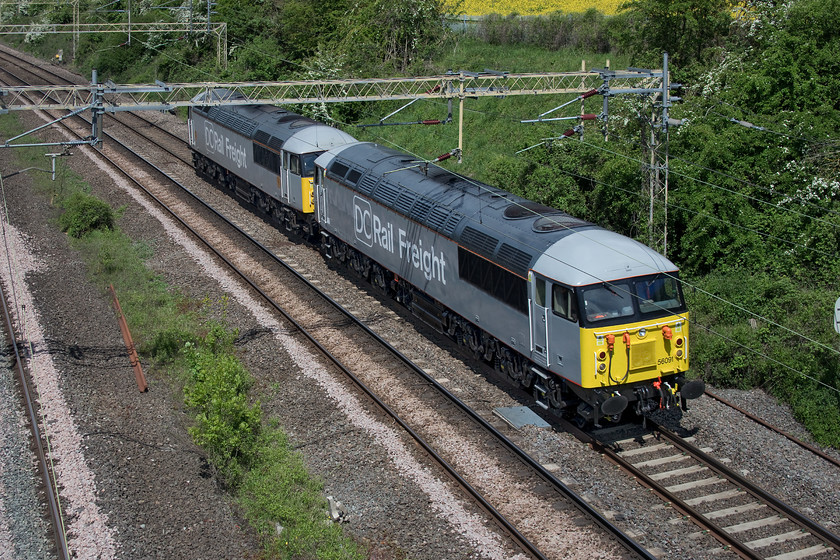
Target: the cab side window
pixel 539 292
pixel 564 303
pixel 294 164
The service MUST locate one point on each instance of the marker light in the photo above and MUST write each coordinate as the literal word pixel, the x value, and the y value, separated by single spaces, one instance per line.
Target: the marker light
pixel 602 355
pixel 679 353
pixel 679 341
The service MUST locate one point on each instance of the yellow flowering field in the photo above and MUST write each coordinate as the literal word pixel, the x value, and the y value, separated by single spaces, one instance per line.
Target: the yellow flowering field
pixel 537 7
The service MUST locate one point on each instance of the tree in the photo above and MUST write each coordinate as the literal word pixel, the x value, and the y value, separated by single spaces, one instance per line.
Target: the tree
pixel 393 33
pixel 683 28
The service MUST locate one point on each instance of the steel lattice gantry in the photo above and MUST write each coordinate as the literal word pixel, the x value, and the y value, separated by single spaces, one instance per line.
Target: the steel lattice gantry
pixel 111 97
pixel 218 30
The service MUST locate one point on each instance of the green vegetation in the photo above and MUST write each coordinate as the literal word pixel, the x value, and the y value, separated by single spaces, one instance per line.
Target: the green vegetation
pixel 84 214
pixel 250 453
pixel 754 202
pixel 226 425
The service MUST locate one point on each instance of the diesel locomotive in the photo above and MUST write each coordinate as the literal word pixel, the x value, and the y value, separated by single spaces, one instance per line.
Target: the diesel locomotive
pixel 591 322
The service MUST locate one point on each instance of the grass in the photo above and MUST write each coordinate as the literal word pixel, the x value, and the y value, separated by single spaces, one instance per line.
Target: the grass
pixel 190 342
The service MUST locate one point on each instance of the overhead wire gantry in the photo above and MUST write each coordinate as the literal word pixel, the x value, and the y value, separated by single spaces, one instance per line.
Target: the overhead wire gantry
pixel 104 98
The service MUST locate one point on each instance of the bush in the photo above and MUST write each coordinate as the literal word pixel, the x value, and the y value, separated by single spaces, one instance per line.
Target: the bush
pixel 84 213
pixel 787 350
pixel 227 425
pixel 587 31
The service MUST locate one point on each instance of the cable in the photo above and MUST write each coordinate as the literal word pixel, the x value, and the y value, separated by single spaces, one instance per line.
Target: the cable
pixel 701 181
pixel 732 177
pixel 742 123
pixel 704 214
pixel 765 356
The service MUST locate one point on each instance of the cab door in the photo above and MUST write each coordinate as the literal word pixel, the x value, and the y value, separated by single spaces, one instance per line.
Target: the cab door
pixel 284 187
pixel 538 311
pixel 321 196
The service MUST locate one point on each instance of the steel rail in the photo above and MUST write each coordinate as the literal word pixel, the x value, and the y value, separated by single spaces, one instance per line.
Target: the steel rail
pixel 680 505
pixel 756 491
pixel 43 463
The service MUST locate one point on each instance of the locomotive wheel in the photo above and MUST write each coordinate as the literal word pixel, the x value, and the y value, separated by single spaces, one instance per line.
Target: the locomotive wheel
pixel 377 278
pixel 510 366
pixel 555 393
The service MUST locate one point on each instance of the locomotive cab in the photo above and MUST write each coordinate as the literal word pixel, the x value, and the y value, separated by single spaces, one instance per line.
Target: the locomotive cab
pixel 601 344
pixel 298 177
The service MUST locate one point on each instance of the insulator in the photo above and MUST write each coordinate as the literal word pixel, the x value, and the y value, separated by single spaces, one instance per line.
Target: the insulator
pixel 588 94
pixel 442 157
pixel 588 117
pixel 568 133
pixel 430 121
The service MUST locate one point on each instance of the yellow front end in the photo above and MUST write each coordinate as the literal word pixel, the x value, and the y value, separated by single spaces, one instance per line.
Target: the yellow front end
pixel 635 352
pixel 307 195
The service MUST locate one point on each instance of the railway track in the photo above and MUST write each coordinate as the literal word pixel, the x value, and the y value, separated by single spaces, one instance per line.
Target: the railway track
pixel 38 440
pixel 790 437
pixel 343 338
pixel 743 517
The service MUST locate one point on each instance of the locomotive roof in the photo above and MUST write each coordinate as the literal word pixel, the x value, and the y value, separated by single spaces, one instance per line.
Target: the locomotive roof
pixel 272 126
pixel 600 255
pixel 505 228
pixel 510 230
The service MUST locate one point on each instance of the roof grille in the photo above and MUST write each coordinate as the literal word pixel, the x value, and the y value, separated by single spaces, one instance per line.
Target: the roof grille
pixel 262 136
pixel 451 223
pixel 404 202
pixel 367 183
pixel 231 120
pixel 386 193
pixel 437 217
pixel 514 259
pixel 421 210
pixel 478 242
